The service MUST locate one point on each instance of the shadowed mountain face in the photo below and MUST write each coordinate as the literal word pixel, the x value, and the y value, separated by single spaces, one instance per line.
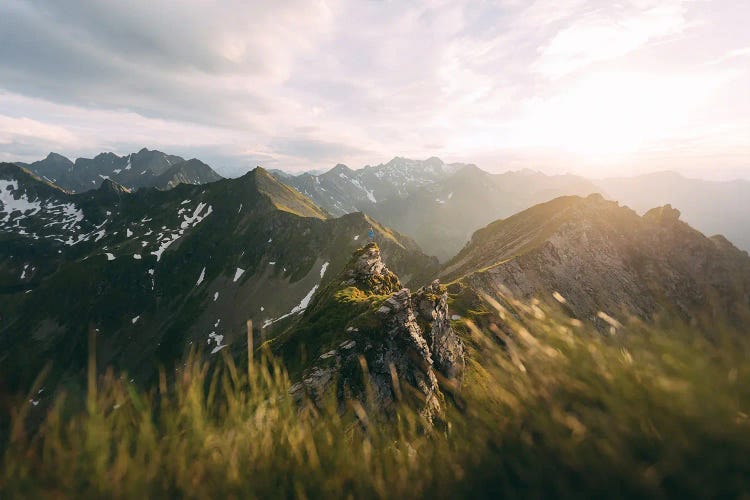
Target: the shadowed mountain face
pixel 600 256
pixel 157 272
pixel 142 169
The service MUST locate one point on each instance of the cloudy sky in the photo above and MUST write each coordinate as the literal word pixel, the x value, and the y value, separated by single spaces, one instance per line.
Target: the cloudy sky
pixel 595 87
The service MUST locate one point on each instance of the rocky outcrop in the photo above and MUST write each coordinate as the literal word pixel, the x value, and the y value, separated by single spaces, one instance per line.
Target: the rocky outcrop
pixel 665 215
pixel 404 350
pixel 431 305
pixel 368 272
pixel 398 349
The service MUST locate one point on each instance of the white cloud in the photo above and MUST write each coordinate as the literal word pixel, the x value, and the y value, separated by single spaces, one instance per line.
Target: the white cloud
pixel 732 54
pixel 302 85
pixel 46 126
pixel 22 129
pixel 607 115
pixel 603 34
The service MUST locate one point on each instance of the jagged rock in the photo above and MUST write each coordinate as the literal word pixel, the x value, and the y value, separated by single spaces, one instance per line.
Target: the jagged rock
pixel 368 272
pixel 318 379
pixel 663 215
pixel 406 349
pixel 431 302
pixel 403 340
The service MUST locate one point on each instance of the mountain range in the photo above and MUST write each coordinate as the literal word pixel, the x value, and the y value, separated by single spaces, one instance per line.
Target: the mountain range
pixel 320 264
pixel 142 169
pixel 440 205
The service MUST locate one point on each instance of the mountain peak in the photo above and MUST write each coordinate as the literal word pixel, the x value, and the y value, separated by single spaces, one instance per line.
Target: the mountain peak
pixel 573 245
pixel 596 199
pixel 281 196
pixel 110 186
pixel 106 154
pixel 258 170
pixel 367 271
pixel 340 168
pixel 252 176
pixel 57 157
pixel 192 171
pixel 471 169
pixel 400 160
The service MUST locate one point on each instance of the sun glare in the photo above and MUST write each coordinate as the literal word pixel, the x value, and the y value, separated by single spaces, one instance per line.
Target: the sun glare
pixel 606 116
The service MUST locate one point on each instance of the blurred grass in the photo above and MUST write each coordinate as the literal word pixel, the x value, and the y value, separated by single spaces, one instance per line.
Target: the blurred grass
pixel 550 408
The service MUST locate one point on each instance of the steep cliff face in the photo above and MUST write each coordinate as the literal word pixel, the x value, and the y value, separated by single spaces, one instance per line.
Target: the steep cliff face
pixel 374 341
pixel 600 256
pixel 431 307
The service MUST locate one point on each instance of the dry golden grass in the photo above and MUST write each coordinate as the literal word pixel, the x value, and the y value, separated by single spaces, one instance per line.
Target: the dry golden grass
pixel 549 407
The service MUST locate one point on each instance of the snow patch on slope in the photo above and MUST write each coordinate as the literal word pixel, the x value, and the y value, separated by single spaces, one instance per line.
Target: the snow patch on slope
pixel 303 303
pixel 11 204
pixel 200 278
pixel 59 221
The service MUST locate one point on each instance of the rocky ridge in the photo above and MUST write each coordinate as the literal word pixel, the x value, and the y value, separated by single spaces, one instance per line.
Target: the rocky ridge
pixel 403 341
pixel 598 256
